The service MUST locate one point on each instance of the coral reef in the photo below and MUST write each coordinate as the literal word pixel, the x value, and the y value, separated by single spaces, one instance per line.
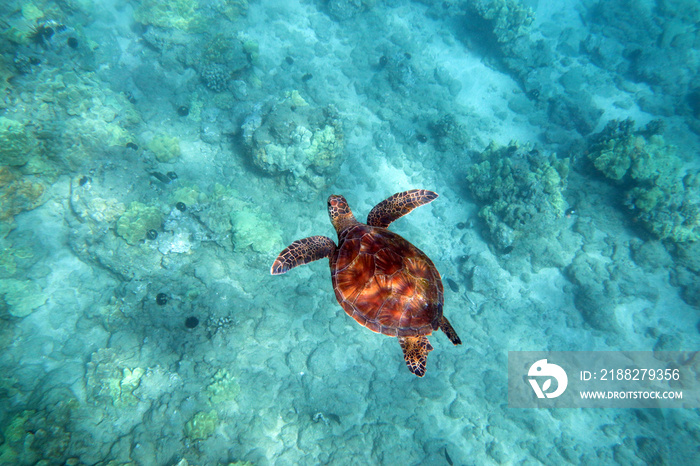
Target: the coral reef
pixel 202 425
pixel 502 25
pixel 227 50
pixel 658 195
pixel 20 297
pixel 110 381
pixel 17 144
pixel 520 190
pixel 346 9
pixel 77 120
pixel 225 58
pixel 26 29
pixel 166 148
pixel 137 220
pixel 232 9
pixel 507 19
pixel 189 195
pixel 17 194
pixel 206 218
pixel 449 134
pixel 38 436
pixel 99 217
pixel 94 209
pixel 223 387
pixel 17 256
pixel 215 77
pixel 296 140
pixel 179 14
pixel 13 435
pixel 211 214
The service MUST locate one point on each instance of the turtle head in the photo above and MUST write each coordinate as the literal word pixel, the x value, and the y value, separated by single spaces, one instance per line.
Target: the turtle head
pixel 340 213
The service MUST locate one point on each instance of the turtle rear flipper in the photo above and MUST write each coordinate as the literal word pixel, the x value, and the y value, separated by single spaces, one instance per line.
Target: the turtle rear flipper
pixel 398 205
pixel 446 327
pixel 302 252
pixel 415 352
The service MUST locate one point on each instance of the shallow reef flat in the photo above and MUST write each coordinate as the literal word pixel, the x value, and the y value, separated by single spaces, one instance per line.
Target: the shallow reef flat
pixel 156 156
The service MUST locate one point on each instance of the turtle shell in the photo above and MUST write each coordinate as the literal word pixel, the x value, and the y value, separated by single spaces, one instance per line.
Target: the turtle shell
pixel 385 283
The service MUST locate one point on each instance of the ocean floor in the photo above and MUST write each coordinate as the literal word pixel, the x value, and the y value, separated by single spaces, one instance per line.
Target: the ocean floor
pixel 156 156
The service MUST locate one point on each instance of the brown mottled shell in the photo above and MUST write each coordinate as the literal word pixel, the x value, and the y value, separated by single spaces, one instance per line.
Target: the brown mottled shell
pixel 385 283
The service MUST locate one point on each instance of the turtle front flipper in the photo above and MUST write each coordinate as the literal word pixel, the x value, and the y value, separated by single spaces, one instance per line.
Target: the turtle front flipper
pixel 397 206
pixel 415 352
pixel 302 252
pixel 446 327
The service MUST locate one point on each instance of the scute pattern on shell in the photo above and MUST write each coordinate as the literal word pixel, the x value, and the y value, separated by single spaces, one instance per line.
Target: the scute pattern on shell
pixel 385 283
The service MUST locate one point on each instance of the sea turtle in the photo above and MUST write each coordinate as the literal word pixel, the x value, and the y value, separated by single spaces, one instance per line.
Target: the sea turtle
pixel 381 280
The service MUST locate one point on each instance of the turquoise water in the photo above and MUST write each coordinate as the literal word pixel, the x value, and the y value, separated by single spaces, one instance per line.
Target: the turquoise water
pixel 157 156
